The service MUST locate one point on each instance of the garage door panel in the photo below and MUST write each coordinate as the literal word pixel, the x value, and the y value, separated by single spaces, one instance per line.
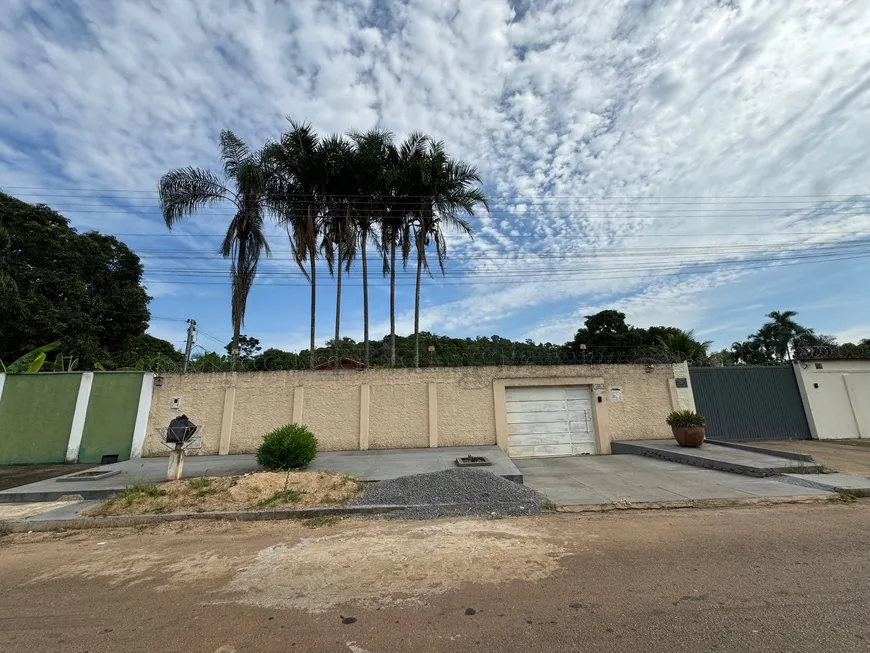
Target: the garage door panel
pixel 537 451
pixel 549 421
pixel 580 428
pixel 553 393
pixel 535 406
pixel 541 438
pixel 538 427
pixel 525 418
pixel 583 449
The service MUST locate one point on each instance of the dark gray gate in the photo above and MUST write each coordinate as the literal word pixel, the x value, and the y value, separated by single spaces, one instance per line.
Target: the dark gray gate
pixel 745 402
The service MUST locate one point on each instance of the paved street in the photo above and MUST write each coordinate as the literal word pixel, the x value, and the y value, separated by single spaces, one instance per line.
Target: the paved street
pixel 847 456
pixel 783 578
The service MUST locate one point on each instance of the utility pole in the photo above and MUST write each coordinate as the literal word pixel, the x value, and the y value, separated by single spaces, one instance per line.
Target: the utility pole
pixel 191 330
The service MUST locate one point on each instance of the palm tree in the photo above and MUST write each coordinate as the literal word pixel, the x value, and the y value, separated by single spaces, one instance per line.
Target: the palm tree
pixel 183 191
pixel 338 186
pixel 443 188
pixel 781 330
pixel 375 165
pixel 295 179
pixel 395 223
pixel 684 345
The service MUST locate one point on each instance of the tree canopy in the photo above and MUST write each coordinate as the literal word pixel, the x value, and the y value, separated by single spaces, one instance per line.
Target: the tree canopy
pixel 83 289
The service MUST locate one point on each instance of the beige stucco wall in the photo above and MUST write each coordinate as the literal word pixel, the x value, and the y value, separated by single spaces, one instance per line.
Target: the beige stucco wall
pixel 463 402
pixel 837 408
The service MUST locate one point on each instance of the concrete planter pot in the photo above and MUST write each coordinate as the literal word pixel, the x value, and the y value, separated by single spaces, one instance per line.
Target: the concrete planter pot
pixel 689 436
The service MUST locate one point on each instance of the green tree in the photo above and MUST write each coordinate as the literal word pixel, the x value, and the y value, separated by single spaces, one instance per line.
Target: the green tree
pixel 184 191
pixel 375 164
pixel 338 190
pixel 248 347
pixel 444 188
pixel 683 345
pixel 295 179
pixel 396 222
pixel 147 348
pixel 83 289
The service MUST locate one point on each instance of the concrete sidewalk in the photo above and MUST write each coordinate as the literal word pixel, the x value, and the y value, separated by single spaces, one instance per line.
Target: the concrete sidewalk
pixel 372 465
pixel 585 480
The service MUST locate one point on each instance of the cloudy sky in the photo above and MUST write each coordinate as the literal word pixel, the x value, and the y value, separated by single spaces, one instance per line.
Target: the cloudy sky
pixel 694 163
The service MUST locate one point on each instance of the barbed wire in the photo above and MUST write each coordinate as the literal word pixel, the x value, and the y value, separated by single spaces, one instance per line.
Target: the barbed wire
pixel 351 359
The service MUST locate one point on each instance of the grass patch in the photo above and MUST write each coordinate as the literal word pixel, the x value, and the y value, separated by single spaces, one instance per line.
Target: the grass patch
pixel 322 520
pixel 282 496
pixel 549 506
pixel 844 497
pixel 203 486
pixel 350 480
pixel 141 490
pixel 254 491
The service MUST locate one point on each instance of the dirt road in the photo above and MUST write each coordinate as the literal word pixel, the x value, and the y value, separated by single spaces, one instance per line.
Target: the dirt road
pixel 787 578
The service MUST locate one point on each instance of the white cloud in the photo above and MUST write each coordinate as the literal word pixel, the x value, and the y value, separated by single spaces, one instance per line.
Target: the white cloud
pixel 597 126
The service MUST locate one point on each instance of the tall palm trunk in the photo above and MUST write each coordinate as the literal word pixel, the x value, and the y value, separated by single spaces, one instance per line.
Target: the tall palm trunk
pixel 417 302
pixel 237 320
pixel 313 304
pixel 393 303
pixel 365 276
pixel 338 299
pixel 312 254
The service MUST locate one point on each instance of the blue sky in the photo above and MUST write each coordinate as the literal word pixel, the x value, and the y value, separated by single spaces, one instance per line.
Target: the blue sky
pixel 694 163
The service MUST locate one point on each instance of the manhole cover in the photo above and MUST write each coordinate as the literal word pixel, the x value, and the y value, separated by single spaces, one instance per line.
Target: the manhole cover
pixel 473 461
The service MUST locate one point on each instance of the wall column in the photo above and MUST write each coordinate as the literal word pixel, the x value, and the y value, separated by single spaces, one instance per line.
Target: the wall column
pixel 81 413
pixel 140 429
pixel 227 421
pixel 298 397
pixel 433 414
pixel 364 395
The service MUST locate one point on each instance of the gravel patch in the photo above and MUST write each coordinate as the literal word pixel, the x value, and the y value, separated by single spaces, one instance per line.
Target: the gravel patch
pixel 453 492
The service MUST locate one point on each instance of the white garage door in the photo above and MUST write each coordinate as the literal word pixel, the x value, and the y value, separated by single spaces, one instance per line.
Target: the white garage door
pixel 550 421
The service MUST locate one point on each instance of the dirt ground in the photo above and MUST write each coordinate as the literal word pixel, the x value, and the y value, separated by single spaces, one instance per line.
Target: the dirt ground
pixel 259 490
pixel 15 475
pixel 784 578
pixel 846 456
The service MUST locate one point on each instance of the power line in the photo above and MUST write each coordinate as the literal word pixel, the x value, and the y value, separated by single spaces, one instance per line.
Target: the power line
pixel 555 276
pixel 536 196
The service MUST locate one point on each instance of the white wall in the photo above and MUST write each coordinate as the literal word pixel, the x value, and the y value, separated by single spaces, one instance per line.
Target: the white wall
pixel 836 397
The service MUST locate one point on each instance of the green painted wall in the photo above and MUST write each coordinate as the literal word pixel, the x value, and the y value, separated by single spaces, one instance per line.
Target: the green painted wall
pixel 36 413
pixel 111 416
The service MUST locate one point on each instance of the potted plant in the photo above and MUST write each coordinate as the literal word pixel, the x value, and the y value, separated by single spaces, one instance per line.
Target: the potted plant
pixel 687 427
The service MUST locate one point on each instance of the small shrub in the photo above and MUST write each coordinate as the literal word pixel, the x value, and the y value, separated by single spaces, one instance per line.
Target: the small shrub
pixel 288 447
pixel 686 419
pixel 549 506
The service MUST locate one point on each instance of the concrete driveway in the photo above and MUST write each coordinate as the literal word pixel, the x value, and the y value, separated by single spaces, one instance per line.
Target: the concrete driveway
pixel 585 480
pixel 846 456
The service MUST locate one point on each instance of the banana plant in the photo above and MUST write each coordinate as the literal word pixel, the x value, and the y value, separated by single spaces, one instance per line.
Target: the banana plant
pixel 31 362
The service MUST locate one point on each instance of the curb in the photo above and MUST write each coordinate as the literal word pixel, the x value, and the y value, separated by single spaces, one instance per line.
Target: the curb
pixel 791 455
pixel 124 521
pixel 696 503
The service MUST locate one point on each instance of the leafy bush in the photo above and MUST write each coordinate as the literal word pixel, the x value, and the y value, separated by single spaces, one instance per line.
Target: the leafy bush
pixel 288 447
pixel 686 419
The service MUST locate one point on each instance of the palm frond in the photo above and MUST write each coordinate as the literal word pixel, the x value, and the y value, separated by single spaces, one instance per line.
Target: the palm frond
pixel 184 190
pixel 234 152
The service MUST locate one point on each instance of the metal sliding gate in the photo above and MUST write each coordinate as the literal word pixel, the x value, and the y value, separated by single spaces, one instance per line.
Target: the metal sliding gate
pixel 747 402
